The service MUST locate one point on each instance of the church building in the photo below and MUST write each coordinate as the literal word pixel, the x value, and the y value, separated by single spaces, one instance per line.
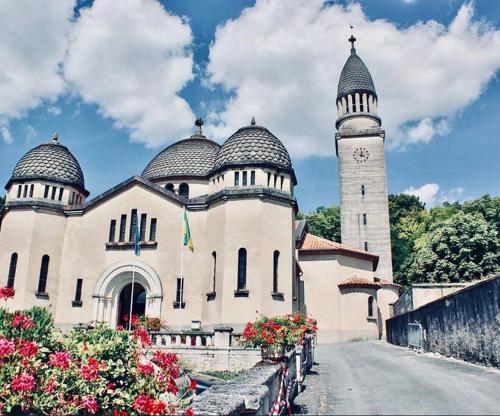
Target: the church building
pixel 249 257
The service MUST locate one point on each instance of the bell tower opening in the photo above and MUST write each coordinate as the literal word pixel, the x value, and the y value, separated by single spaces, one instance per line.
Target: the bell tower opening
pixel 138 303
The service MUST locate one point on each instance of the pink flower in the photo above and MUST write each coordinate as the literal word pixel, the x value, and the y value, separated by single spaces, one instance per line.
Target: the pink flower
pixel 89 403
pixel 7 292
pixel 23 382
pixel 51 385
pixel 146 368
pixel 143 336
pixel 28 348
pixel 23 321
pixel 165 359
pixel 90 371
pixel 7 347
pixel 60 359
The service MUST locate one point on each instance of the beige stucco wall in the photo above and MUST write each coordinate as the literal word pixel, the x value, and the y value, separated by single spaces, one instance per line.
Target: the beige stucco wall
pixel 341 315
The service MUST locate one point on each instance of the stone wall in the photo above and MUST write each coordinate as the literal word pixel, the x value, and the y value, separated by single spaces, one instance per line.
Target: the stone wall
pixel 465 324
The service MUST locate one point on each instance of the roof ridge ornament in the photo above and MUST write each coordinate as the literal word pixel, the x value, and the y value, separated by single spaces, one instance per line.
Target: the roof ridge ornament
pixel 55 138
pixel 198 123
pixel 252 122
pixel 352 39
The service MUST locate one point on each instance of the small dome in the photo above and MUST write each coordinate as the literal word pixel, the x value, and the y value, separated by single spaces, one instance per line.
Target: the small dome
pixel 190 157
pixel 50 161
pixel 355 77
pixel 253 144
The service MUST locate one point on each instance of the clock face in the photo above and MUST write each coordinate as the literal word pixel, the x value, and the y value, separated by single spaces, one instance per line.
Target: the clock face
pixel 361 154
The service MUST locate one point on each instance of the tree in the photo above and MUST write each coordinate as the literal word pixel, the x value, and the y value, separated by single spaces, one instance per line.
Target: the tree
pixel 324 222
pixel 461 248
pixel 488 207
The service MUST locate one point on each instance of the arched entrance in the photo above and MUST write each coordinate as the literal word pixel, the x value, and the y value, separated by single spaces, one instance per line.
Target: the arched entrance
pixel 138 303
pixel 112 292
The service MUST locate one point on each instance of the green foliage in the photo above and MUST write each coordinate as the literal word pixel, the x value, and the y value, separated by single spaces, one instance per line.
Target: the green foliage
pixel 223 375
pixel 324 222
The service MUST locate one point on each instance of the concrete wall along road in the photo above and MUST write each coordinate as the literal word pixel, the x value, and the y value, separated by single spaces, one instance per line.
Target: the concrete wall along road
pixel 464 325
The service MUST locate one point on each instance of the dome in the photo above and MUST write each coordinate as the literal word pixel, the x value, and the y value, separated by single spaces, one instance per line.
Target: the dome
pixel 253 144
pixel 50 161
pixel 190 157
pixel 355 77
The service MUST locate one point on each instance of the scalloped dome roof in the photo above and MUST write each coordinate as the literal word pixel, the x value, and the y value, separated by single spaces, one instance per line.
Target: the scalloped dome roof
pixel 190 157
pixel 355 77
pixel 50 161
pixel 253 144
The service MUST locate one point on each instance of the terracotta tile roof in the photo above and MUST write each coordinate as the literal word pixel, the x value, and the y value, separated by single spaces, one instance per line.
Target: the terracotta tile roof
pixel 312 244
pixel 359 282
pixel 387 283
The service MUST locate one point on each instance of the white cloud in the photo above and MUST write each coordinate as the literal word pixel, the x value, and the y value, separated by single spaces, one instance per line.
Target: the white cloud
pixel 5 133
pixel 131 58
pixel 426 193
pixel 430 194
pixel 54 110
pixel 33 42
pixel 30 133
pixel 282 60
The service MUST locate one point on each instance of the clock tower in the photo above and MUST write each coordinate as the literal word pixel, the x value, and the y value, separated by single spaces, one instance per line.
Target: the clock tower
pixel 359 145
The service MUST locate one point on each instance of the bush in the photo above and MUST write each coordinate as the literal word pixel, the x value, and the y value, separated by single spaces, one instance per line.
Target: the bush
pixel 101 371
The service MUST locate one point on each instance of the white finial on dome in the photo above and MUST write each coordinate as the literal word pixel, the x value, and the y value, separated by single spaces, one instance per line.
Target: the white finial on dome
pixel 253 121
pixel 55 138
pixel 198 123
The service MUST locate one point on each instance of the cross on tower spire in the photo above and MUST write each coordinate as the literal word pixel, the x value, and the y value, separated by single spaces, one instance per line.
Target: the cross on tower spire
pixel 352 39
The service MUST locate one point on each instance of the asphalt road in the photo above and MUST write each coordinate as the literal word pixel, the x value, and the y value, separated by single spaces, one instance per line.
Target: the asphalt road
pixel 376 378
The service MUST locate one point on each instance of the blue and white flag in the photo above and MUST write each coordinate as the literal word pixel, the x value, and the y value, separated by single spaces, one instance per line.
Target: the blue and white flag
pixel 137 241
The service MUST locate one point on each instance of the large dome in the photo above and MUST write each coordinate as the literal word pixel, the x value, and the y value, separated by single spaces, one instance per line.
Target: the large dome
pixel 253 144
pixel 190 157
pixel 50 161
pixel 355 77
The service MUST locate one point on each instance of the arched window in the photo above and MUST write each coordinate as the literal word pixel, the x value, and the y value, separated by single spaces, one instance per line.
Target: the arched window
pixel 242 269
pixel 214 257
pixel 169 187
pixel 370 306
pixel 276 258
pixel 12 270
pixel 44 270
pixel 184 190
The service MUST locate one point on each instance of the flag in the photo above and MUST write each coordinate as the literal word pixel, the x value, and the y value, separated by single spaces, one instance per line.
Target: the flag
pixel 137 241
pixel 186 232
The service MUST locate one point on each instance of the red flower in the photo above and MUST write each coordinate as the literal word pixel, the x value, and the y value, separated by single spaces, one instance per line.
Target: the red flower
pixel 110 386
pixel 23 321
pixel 119 413
pixel 7 347
pixel 51 385
pixel 90 371
pixel 141 403
pixel 28 348
pixel 143 336
pixel 60 359
pixel 7 292
pixel 89 403
pixel 189 412
pixel 165 359
pixel 146 368
pixel 146 404
pixel 192 385
pixel 23 382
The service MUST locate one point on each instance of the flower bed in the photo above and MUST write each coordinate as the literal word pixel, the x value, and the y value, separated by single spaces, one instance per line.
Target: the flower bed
pixel 102 371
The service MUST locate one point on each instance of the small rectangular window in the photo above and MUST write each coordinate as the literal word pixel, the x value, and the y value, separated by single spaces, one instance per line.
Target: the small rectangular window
pixel 244 181
pixel 53 196
pixel 123 226
pixel 46 192
pixel 363 190
pixel 268 178
pixel 236 178
pixel 252 177
pixel 152 230
pixel 25 193
pixel 366 245
pixel 179 294
pixel 143 227
pixel 72 198
pixel 61 192
pixel 32 188
pixel 78 291
pixel 133 225
pixel 19 190
pixel 275 179
pixel 112 231
pixel 282 178
pixel 364 219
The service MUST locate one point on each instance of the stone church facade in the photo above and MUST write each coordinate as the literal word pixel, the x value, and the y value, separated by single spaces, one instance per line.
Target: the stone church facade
pixel 251 257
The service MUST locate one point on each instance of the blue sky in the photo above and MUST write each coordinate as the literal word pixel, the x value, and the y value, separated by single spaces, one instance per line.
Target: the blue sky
pixel 278 61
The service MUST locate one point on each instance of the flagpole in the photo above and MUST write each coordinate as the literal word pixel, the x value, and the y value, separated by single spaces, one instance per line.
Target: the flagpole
pixel 182 272
pixel 131 297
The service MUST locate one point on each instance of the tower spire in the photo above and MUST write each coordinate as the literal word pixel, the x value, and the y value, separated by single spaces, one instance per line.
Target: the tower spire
pixel 352 39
